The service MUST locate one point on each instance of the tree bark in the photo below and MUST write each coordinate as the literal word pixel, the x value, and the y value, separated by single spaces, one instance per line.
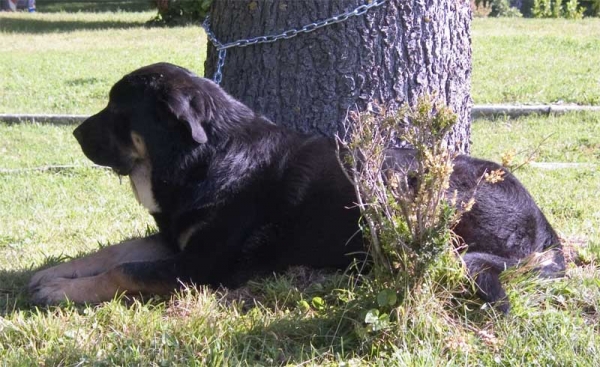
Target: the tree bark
pixel 392 54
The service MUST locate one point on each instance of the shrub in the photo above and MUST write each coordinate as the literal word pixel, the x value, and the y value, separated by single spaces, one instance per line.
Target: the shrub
pixel 174 12
pixel 502 8
pixel 541 9
pixel 480 9
pixel 572 10
pixel 556 9
pixel 407 218
pixel 596 7
pixel 407 224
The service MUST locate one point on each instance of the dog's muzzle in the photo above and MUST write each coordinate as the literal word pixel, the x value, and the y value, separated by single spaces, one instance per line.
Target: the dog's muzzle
pixel 99 145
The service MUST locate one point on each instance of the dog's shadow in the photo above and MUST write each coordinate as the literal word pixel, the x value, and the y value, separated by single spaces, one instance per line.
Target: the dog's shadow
pixel 281 341
pixel 14 292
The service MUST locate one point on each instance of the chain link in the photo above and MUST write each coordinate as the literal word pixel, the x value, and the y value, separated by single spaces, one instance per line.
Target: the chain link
pixel 222 47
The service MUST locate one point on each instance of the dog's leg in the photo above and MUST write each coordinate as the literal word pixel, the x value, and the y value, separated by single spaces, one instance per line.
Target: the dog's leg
pixel 485 269
pixel 140 277
pixel 550 263
pixel 142 249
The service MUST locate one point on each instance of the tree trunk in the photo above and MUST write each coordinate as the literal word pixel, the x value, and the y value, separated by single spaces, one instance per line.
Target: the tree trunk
pixel 393 54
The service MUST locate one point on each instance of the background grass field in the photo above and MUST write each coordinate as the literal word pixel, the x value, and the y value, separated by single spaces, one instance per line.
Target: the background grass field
pixel 67 62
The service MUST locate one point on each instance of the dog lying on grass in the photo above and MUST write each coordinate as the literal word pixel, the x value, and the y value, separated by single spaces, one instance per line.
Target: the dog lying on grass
pixel 235 196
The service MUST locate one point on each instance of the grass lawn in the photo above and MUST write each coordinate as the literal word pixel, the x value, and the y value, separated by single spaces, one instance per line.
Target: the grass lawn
pixel 536 60
pixel 48 215
pixel 66 62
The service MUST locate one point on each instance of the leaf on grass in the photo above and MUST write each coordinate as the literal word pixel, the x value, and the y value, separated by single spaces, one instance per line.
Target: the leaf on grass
pixel 318 303
pixel 372 316
pixel 387 297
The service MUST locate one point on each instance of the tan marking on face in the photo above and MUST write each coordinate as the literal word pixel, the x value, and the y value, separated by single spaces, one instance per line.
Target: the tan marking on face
pixel 141 184
pixel 139 146
pixel 141 175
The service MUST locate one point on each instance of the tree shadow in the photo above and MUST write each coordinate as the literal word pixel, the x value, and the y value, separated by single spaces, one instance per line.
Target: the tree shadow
pixel 14 293
pixel 74 6
pixel 295 339
pixel 40 26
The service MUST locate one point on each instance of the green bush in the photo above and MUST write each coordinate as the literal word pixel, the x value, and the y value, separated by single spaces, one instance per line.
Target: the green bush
pixel 542 9
pixel 590 8
pixel 175 12
pixel 416 271
pixel 556 9
pixel 572 10
pixel 502 8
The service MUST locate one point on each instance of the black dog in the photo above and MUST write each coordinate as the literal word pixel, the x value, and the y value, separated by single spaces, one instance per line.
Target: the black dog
pixel 235 196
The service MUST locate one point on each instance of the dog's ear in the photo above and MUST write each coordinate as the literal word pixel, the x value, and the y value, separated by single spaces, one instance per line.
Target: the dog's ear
pixel 202 105
pixel 189 110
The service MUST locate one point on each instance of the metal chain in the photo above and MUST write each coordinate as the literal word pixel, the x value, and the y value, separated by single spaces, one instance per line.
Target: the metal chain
pixel 222 47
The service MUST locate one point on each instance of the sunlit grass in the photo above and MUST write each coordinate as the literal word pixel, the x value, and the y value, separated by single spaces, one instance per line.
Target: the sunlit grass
pixel 536 60
pixel 66 62
pixel 46 214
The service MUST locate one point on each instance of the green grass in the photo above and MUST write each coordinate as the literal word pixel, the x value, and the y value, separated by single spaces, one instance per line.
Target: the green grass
pixel 48 214
pixel 552 138
pixel 66 62
pixel 536 60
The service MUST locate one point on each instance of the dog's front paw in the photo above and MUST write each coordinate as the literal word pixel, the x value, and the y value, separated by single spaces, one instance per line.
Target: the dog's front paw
pixel 41 277
pixel 94 289
pixel 51 291
pixel 65 270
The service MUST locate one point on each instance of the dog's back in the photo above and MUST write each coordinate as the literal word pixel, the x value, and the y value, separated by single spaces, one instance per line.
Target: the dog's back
pixel 503 227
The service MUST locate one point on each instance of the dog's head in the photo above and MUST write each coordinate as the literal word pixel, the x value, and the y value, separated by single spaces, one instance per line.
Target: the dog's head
pixel 160 110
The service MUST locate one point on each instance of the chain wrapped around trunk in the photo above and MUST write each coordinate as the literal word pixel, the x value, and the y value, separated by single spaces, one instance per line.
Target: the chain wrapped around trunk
pixel 222 47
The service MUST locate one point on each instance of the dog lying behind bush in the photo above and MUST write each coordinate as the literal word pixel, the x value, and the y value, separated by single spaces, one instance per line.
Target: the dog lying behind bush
pixel 235 196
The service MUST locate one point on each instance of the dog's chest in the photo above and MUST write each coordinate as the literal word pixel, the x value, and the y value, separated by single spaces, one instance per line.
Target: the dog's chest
pixel 141 184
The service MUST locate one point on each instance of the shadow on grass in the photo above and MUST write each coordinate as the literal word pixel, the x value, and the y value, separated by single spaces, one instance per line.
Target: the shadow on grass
pixel 74 6
pixel 13 291
pixel 40 26
pixel 14 294
pixel 296 340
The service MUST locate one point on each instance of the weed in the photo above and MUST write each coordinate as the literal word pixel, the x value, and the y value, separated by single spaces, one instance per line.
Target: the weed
pixel 407 217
